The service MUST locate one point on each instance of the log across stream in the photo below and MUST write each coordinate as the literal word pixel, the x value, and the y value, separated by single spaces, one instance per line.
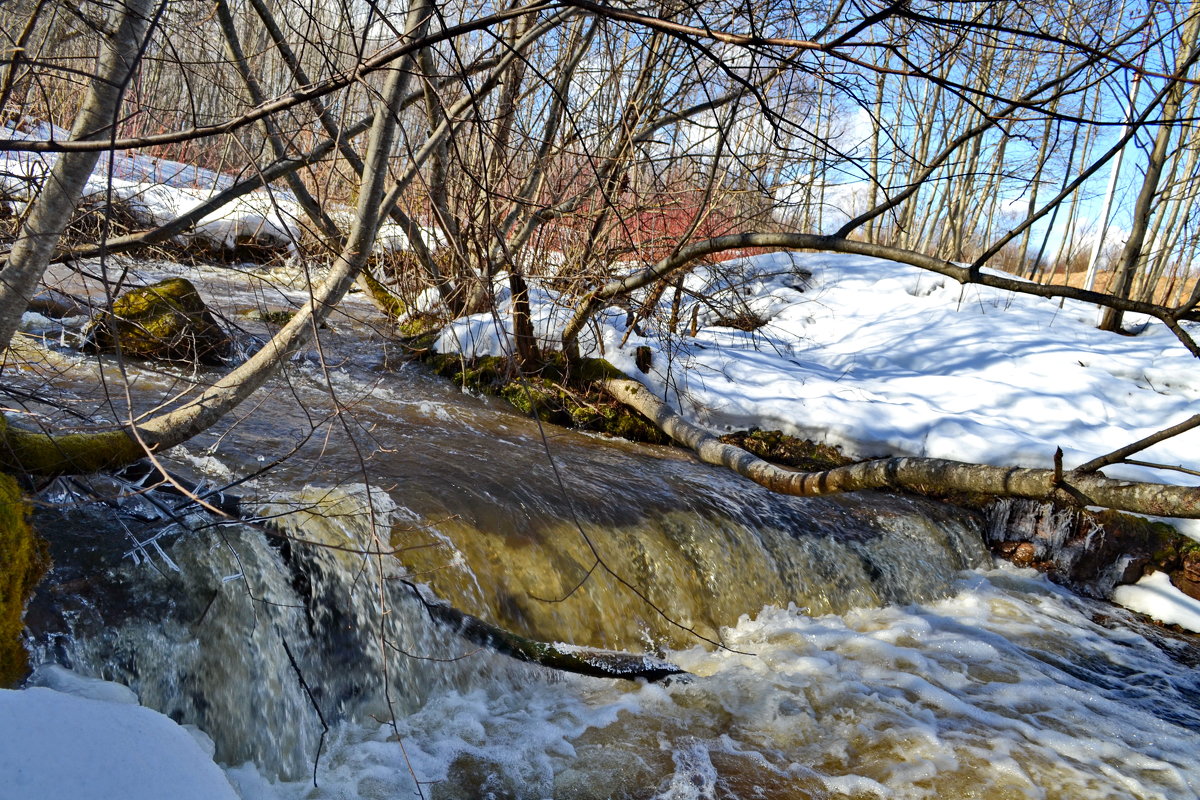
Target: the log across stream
pixel 855 647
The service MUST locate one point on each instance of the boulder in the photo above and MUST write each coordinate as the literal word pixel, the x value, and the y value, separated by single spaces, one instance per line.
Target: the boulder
pixel 166 321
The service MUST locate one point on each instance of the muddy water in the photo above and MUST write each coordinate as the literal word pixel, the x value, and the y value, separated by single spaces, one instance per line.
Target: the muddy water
pixel 853 647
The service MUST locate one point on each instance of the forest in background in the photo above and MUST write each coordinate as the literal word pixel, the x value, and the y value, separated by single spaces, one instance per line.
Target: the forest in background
pixel 603 150
pixel 1037 137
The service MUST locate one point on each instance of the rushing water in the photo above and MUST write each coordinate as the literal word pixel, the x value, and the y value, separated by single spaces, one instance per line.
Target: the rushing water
pixel 850 647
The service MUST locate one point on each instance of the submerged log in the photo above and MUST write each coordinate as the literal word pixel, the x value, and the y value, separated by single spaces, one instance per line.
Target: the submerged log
pixel 565 658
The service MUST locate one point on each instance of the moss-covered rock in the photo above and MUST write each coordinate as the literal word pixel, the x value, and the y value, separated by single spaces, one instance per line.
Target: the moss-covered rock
pixel 167 321
pixel 559 393
pixel 275 317
pixel 24 559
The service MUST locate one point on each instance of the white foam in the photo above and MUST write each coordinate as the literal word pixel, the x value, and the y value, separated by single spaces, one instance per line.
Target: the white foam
pixel 1006 688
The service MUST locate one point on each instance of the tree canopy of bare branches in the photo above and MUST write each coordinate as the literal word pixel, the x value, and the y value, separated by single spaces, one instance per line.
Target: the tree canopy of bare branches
pixel 605 146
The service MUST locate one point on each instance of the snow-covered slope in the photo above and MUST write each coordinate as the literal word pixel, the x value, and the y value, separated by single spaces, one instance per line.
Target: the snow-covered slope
pixel 87 739
pixel 884 358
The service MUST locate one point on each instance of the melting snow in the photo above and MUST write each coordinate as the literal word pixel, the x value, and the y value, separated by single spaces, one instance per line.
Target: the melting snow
pixel 1155 596
pixel 86 739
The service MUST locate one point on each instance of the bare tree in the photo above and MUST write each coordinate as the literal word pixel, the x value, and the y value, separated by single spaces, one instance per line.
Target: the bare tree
pixel 1132 253
pixel 96 121
pixel 617 143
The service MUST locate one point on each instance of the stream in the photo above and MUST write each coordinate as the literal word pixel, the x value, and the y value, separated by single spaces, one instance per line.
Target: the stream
pixel 847 647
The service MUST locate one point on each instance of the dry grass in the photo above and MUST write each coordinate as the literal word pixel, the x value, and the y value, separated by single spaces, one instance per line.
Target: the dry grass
pixel 1167 291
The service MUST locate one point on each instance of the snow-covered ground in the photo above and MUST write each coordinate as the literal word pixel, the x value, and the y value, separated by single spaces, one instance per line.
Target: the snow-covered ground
pixel 874 356
pixel 887 359
pixel 156 190
pixel 84 739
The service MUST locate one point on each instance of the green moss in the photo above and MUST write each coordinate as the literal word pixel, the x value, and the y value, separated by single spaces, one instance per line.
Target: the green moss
pixel 278 317
pixel 1164 546
pixel 591 370
pixel 780 448
pixel 416 327
pixel 485 375
pixel 528 398
pixel 166 321
pixel 559 393
pixel 24 559
pixel 34 453
pixel 392 305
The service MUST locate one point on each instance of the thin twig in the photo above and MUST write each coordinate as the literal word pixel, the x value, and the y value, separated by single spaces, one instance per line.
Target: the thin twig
pixel 311 699
pixel 1119 455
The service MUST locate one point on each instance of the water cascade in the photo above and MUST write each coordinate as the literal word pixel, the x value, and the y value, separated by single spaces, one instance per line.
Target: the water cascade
pixel 853 647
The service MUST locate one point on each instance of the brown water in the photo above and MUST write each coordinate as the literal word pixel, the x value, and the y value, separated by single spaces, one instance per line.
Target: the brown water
pixel 846 647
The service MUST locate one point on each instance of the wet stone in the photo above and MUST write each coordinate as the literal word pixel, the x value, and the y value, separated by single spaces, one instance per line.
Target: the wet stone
pixel 166 321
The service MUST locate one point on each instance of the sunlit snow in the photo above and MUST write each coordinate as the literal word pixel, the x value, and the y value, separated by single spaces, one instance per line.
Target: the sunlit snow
pixel 874 356
pixel 886 359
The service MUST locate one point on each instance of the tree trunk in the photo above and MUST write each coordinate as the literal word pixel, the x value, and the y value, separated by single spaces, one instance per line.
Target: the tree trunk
pixel 1131 254
pixel 524 342
pixel 55 204
pixel 45 454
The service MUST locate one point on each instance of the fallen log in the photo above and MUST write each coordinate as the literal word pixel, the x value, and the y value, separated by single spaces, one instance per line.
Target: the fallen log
pixel 934 477
pixel 565 658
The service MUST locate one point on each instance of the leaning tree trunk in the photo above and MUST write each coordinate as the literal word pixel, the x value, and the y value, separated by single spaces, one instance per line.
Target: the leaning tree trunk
pixel 49 454
pixel 54 205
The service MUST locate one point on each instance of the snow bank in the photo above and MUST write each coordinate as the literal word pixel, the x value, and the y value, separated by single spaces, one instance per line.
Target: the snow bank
pixel 155 191
pixel 91 741
pixel 882 358
pixel 1155 596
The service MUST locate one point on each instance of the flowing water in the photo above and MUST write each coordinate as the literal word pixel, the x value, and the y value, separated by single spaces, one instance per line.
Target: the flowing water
pixel 855 647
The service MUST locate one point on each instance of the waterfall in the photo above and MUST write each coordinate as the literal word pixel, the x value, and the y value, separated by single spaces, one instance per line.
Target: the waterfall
pixel 256 634
pixel 861 646
pixel 864 648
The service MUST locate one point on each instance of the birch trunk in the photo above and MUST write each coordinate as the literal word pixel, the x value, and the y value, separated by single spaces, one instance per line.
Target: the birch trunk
pixel 55 204
pixel 928 476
